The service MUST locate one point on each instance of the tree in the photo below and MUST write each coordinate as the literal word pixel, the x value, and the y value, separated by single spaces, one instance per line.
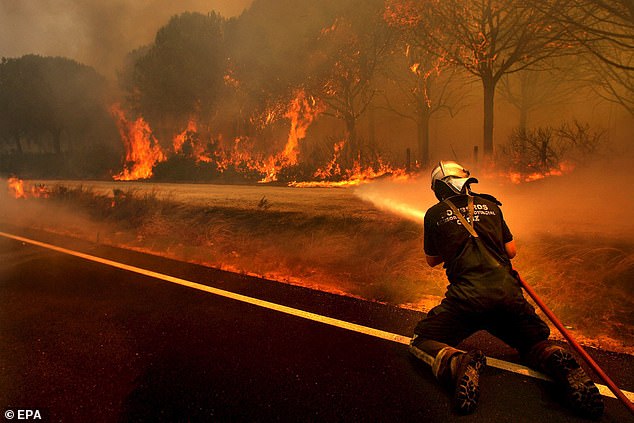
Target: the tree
pixel 487 38
pixel 548 150
pixel 529 90
pixel 344 62
pixel 52 96
pixel 424 88
pixel 54 118
pixel 269 47
pixel 606 30
pixel 614 83
pixel 180 74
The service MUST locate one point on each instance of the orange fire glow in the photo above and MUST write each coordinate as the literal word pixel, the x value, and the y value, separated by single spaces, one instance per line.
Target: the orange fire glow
pixel 189 135
pixel 518 178
pixel 180 139
pixel 404 13
pixel 16 187
pixel 19 189
pixel 350 177
pixel 142 149
pixel 332 168
pixel 302 111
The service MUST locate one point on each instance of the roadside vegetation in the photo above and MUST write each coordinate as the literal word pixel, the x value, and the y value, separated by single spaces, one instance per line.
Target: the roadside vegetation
pixel 587 281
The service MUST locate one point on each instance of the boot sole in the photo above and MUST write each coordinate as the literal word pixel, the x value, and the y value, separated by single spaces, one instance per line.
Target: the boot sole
pixel 581 394
pixel 467 391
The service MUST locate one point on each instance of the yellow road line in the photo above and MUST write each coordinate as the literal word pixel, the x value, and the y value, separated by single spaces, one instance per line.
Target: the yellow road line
pixel 492 362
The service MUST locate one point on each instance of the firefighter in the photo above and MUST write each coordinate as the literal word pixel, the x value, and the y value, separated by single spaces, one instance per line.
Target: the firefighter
pixel 467 232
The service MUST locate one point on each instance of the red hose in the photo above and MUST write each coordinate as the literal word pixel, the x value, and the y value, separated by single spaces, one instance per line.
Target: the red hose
pixel 615 389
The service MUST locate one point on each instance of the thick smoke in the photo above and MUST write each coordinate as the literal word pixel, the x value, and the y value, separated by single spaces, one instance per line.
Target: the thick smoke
pixel 93 32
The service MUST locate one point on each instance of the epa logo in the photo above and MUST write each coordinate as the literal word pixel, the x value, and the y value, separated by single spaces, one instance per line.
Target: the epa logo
pixel 23 415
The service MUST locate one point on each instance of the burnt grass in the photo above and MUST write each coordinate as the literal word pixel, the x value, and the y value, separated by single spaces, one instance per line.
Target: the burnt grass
pixel 588 282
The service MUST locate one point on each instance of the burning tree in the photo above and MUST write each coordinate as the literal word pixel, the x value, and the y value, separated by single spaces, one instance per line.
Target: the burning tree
pixel 487 38
pixel 344 62
pixel 424 88
pixel 180 74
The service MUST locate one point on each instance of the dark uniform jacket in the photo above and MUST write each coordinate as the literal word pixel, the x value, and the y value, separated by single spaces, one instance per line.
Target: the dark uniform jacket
pixel 478 268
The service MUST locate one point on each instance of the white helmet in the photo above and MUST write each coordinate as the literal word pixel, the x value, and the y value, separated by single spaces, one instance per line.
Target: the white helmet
pixel 449 179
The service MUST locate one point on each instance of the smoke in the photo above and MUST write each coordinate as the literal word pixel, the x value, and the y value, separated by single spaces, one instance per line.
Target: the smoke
pixel 37 214
pixel 589 202
pixel 96 33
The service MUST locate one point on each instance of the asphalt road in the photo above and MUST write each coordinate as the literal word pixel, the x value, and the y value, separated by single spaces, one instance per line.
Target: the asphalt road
pixel 86 342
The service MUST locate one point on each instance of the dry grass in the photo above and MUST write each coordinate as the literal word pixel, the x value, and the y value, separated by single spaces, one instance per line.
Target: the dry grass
pixel 364 252
pixel 586 281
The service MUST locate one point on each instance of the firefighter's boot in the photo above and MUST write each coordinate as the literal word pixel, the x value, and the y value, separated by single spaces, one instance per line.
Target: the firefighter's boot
pixel 579 391
pixel 467 380
pixel 456 370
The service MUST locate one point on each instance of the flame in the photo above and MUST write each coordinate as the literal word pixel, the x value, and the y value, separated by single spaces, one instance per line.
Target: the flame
pixel 302 111
pixel 403 13
pixel 180 139
pixel 332 168
pixel 562 168
pixel 142 149
pixel 189 134
pixel 351 177
pixel 18 189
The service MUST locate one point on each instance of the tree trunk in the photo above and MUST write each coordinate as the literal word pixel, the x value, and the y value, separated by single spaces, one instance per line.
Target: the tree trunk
pixel 372 127
pixel 57 140
pixel 354 150
pixel 523 117
pixel 489 94
pixel 423 139
pixel 18 145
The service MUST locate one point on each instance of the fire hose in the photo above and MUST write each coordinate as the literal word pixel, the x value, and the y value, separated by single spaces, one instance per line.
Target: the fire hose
pixel 578 348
